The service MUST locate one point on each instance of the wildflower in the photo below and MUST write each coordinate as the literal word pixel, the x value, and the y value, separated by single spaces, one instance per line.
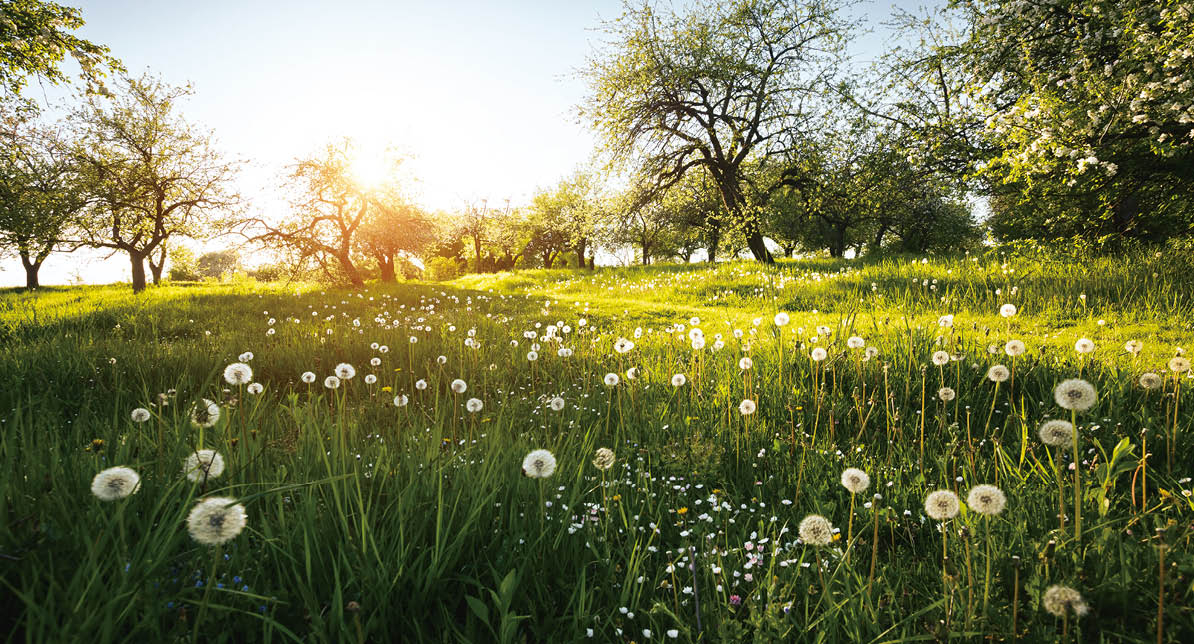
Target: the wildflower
pixel 246 356
pixel 1084 345
pixel 946 321
pixel 1178 364
pixel 1058 600
pixel 855 342
pixel 238 373
pixel 308 377
pixel 986 499
pixel 539 464
pixel 459 386
pixel 940 358
pixel 375 362
pixel 1133 347
pixel 998 373
pixel 603 459
pixel 745 363
pixel 442 360
pixel 401 400
pixel 623 345
pixel 1014 348
pixel 782 319
pixel 746 407
pixel 255 388
pixel 115 483
pixel 678 380
pixel 556 404
pixel 611 379
pixel 216 520
pixel 140 415
pixel 205 413
pixel 532 356
pixel 474 405
pixel 370 379
pixel 1055 433
pixel 819 354
pixel 946 394
pixel 942 505
pixel 872 352
pixel 815 530
pixel 631 373
pixel 420 384
pixel 1150 380
pixel 1076 394
pixel 345 371
pixel 331 382
pixel 202 465
pixel 855 480
pixel 1007 310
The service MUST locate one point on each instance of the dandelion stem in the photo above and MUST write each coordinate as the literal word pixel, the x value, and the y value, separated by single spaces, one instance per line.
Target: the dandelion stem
pixel 1077 480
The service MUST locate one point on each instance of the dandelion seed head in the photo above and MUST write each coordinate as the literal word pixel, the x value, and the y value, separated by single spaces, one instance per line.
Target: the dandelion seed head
pixel 474 405
pixel 216 520
pixel 1060 600
pixel 238 373
pixel 942 505
pixel 940 358
pixel 205 413
pixel 1057 432
pixel 345 371
pixel 1076 394
pixel 815 530
pixel 331 382
pixel 986 499
pixel 746 407
pixel 115 483
pixel 946 394
pixel 140 415
pixel 855 480
pixel 202 465
pixel 539 464
pixel 459 386
pixel 308 377
pixel 603 459
pixel 998 373
pixel 1150 380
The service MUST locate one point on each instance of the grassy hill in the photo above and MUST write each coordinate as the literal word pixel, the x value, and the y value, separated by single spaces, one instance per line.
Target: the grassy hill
pixel 370 521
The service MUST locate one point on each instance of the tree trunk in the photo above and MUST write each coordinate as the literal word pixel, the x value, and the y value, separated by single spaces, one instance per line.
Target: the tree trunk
pixel 350 269
pixel 156 269
pixel 32 266
pixel 138 264
pixel 877 242
pixel 714 239
pixel 386 263
pixel 646 255
pixel 580 253
pixel 758 248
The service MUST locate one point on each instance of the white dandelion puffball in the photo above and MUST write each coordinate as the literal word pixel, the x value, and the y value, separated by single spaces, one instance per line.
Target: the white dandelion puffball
pixel 816 530
pixel 331 382
pixel 202 465
pixel 375 362
pixel 246 356
pixel 746 407
pixel 998 373
pixel 611 379
pixel 205 413
pixel 1055 433
pixel 986 499
pixel 414 339
pixel 370 379
pixel 1133 346
pixel 474 405
pixel 255 388
pixel 1060 600
pixel 459 386
pixel 1148 380
pixel 1076 394
pixel 745 363
pixel 823 330
pixel 678 380
pixel 420 384
pixel 940 358
pixel 782 319
pixel 1014 348
pixel 946 394
pixel 532 356
pixel 855 342
pixel 557 404
pixel 216 520
pixel 603 459
pixel 308 377
pixel 623 345
pixel 942 505
pixel 855 480
pixel 401 400
pixel 631 373
pixel 442 360
pixel 1084 345
pixel 345 371
pixel 140 415
pixel 872 352
pixel 945 321
pixel 698 344
pixel 1178 364
pixel 539 464
pixel 818 354
pixel 1007 310
pixel 115 483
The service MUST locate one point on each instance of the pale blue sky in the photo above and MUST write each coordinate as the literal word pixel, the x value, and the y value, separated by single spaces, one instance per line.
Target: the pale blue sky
pixel 481 94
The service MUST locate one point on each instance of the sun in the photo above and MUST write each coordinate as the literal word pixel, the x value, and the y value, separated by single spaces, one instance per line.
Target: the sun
pixel 371 169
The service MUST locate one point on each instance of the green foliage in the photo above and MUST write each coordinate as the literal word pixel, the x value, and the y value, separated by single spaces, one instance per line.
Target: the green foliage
pixel 184 266
pixel 441 268
pixel 35 36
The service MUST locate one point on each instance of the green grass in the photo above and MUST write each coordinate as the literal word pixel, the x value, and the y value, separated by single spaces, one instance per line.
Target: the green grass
pixel 366 522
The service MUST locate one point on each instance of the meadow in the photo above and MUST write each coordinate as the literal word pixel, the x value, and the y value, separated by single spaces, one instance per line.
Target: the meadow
pixel 694 416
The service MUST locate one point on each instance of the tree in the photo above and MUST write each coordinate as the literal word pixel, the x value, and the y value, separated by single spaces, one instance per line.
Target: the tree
pixel 395 229
pixel 150 175
pixel 216 264
pixel 41 194
pixel 713 89
pixel 35 37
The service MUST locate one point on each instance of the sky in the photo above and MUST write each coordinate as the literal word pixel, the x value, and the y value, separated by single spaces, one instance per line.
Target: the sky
pixel 482 96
